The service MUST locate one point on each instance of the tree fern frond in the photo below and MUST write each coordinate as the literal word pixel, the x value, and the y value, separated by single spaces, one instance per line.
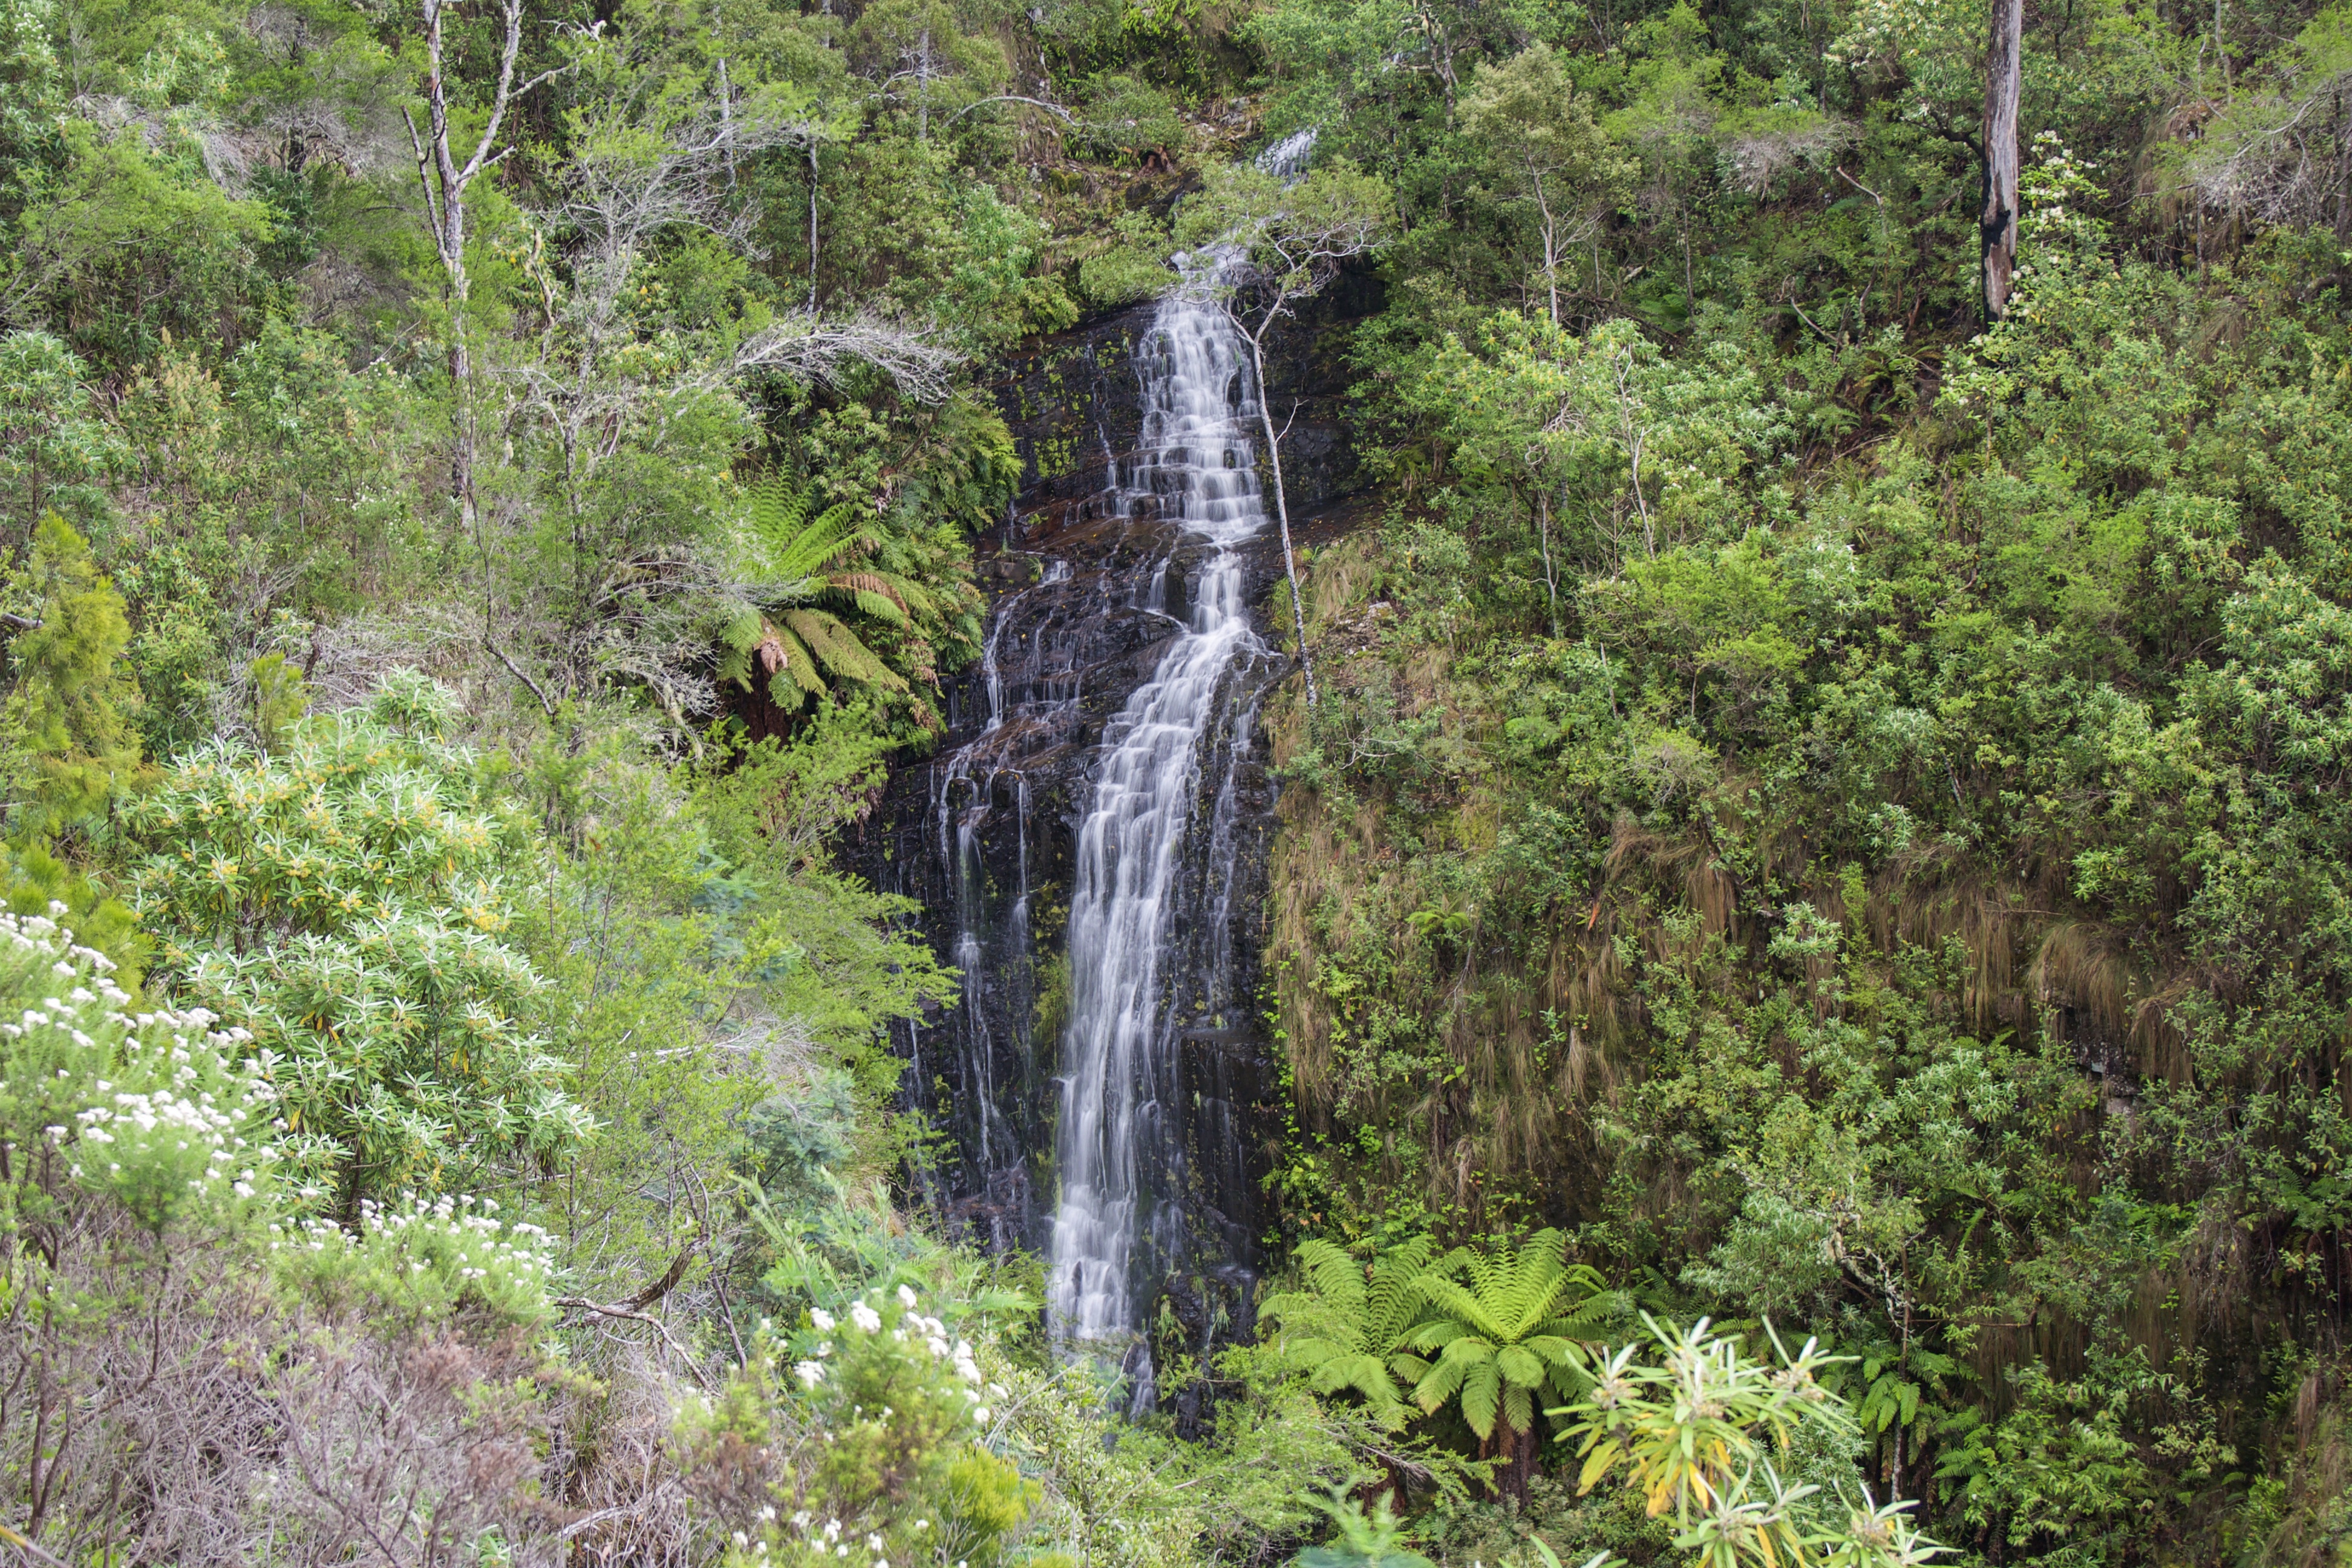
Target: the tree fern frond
pixel 834 534
pixel 1520 1364
pixel 1393 1302
pixel 1481 1389
pixel 1466 1307
pixel 1436 1335
pixel 791 672
pixel 1519 1407
pixel 1336 1275
pixel 872 596
pixel 839 649
pixel 779 507
pixel 743 627
pixel 1439 1384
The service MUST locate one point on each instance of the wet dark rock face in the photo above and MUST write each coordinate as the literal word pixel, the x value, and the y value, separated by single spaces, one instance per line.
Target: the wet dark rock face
pixel 981 833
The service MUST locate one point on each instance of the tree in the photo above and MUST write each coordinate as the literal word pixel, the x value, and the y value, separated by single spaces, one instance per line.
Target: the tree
pixel 1287 240
pixel 1346 1332
pixel 70 711
pixel 2004 63
pixel 1514 1325
pixel 1689 1431
pixel 1551 153
pixel 443 181
pixel 56 451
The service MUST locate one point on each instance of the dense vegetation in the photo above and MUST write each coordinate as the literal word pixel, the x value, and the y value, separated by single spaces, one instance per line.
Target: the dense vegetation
pixel 1815 812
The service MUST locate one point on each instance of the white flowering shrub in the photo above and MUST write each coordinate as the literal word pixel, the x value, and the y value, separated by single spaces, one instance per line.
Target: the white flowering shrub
pixel 158 1110
pixel 424 1259
pixel 881 1423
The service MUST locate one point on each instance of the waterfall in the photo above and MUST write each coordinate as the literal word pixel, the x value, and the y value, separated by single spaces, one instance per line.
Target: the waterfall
pixel 963 798
pixel 1117 1145
pixel 1088 845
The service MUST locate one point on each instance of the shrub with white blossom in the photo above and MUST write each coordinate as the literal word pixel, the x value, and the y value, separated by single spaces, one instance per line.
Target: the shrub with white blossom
pixel 341 898
pixel 881 1420
pixel 158 1109
pixel 424 1259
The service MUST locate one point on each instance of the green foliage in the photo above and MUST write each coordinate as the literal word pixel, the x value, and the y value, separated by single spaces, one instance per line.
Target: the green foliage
pixel 68 715
pixel 134 247
pixel 791 562
pixel 56 452
pixel 1346 1331
pixel 424 1262
pixel 890 1407
pixel 156 1112
pixel 1134 266
pixel 1691 1430
pixel 1371 1539
pixel 344 902
pixel 1512 1326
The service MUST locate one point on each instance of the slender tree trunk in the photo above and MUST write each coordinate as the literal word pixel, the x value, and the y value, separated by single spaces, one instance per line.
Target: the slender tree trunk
pixel 445 182
pixel 1551 249
pixel 1552 576
pixel 1998 222
pixel 812 304
pixel 1281 505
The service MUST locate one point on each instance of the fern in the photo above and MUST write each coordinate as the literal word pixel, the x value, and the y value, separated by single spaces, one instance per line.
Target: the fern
pixel 1344 1332
pixel 797 558
pixel 1513 1324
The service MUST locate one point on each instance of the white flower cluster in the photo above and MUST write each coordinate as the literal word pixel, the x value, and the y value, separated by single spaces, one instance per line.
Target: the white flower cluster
pixel 433 1251
pixel 825 1540
pixel 150 1106
pixel 913 1328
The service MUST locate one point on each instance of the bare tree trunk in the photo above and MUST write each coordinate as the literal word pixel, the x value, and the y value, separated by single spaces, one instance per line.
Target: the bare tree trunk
pixel 2003 79
pixel 1550 247
pixel 1281 505
pixel 1551 574
pixel 444 182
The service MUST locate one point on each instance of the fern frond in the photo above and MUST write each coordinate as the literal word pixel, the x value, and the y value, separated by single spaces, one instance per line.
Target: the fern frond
pixel 779 507
pixel 791 672
pixel 1481 1387
pixel 833 534
pixel 1337 1276
pixel 1393 1304
pixel 838 648
pixel 1468 1308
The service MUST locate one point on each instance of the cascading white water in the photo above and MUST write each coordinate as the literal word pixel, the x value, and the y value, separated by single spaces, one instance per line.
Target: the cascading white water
pixel 1198 458
pixel 961 795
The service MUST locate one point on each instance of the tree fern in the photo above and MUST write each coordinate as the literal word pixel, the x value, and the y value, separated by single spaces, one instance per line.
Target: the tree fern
pixel 1345 1331
pixel 794 559
pixel 1503 1326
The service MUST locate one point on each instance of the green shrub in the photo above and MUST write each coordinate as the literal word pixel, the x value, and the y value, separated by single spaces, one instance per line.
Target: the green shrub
pixel 344 902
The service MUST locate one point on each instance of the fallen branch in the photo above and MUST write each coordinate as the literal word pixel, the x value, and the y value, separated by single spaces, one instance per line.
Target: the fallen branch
pixel 623 1309
pixel 517 671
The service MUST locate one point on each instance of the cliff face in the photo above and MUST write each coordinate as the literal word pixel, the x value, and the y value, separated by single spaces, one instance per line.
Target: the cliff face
pixel 981 832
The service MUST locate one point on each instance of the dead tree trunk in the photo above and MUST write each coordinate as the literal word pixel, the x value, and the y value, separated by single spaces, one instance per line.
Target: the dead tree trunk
pixel 445 181
pixel 2003 79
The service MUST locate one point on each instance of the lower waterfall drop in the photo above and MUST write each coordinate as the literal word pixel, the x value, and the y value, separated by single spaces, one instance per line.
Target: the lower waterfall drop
pixel 1117 1146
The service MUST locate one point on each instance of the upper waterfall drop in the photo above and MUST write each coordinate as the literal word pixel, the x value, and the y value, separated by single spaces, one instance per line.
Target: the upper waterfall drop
pixel 1117 1156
